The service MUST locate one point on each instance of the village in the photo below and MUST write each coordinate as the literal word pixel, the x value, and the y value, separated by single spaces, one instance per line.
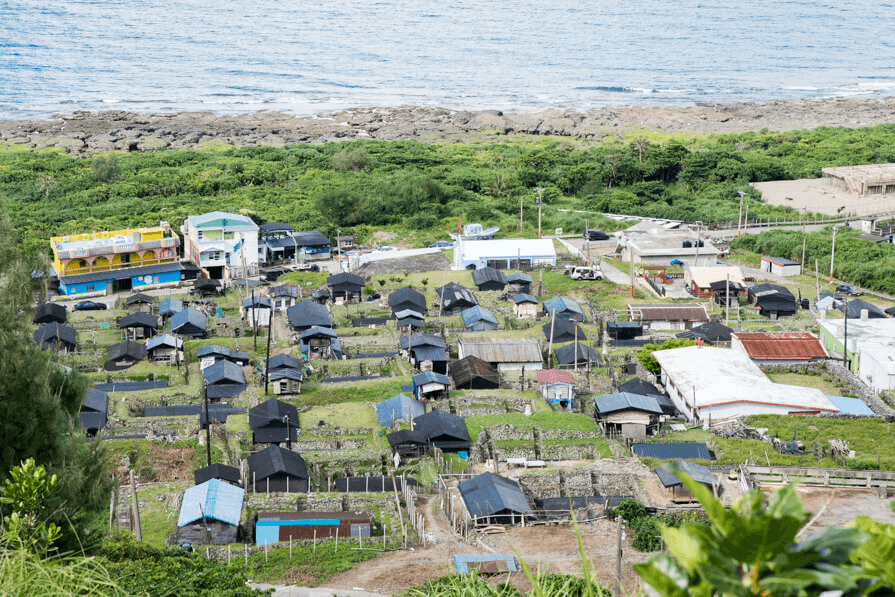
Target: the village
pixel 261 387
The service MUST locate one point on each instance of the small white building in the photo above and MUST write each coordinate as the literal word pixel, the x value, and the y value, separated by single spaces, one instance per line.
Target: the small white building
pixel 871 348
pixel 719 383
pixel 508 253
pixel 781 266
pixel 651 244
pixel 223 244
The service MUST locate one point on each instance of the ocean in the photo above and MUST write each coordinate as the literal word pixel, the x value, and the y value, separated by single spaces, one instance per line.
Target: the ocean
pixel 306 58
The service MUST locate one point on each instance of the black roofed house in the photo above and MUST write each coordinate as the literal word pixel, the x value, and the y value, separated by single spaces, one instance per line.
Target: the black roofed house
pixel 222 472
pixel 270 420
pixel 124 354
pixel 318 342
pixel 425 351
pixel 431 386
pixel 408 318
pixel 563 330
pixel 472 373
pixel 278 469
pixel 519 282
pixel 491 499
pixel 165 349
pixel 50 313
pixel 93 411
pixel 630 416
pixel 624 330
pixel 772 300
pixel 525 306
pixel 479 319
pixel 719 291
pixel 712 332
pixel 286 374
pixel 55 336
pixel 697 472
pixel 579 354
pixel 443 430
pixel 213 353
pixel 189 322
pixel 455 298
pixel 308 314
pixel 139 303
pixel 320 296
pixel 312 242
pixel 408 442
pixel 406 298
pixel 489 278
pixel 345 287
pixel 224 380
pixel 139 325
pixel 283 297
pixel 856 308
pixel 275 242
pixel 562 308
pixel 207 286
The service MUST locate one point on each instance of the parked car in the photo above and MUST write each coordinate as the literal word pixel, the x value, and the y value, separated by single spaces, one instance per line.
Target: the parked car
pixel 587 273
pixel 595 234
pixel 849 290
pixel 90 306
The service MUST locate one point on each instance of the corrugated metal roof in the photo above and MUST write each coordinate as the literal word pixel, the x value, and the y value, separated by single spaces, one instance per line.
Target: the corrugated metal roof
pixel 697 472
pixel 611 403
pixel 164 340
pixel 673 451
pixel 272 411
pixel 213 499
pixel 477 313
pixel 473 370
pixel 780 260
pixel 524 298
pixel 428 377
pixel 488 274
pixel 398 407
pixel 781 346
pixel 430 353
pixel 308 313
pixel 170 306
pixel 187 318
pixel 561 304
pixel 489 494
pixel 667 313
pixel 144 320
pixel 502 350
pixel 273 460
pixel 555 376
pixel 421 340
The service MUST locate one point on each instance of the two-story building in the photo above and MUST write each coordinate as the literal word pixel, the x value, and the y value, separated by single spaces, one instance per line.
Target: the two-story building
pixel 225 245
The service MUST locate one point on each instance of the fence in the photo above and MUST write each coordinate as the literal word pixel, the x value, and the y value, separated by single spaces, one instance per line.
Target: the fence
pixel 764 475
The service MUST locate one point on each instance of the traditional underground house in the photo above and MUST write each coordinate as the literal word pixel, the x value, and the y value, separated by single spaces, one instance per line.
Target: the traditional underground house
pixel 491 499
pixel 273 422
pixel 56 336
pixel 124 354
pixel 278 469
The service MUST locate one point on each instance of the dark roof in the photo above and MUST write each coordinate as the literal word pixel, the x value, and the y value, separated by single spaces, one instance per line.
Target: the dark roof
pixel 91 420
pixel 855 306
pixel 518 278
pixel 272 411
pixel 398 407
pixel 562 305
pixel 760 290
pixel 170 306
pixel 624 330
pixel 258 301
pixel 406 436
pixel 438 423
pixel 429 353
pixel 279 361
pixel 189 321
pixel 568 354
pixel 489 494
pixel 722 285
pixel 46 335
pixel 273 460
pixel 138 298
pixel 225 379
pixel 206 284
pixel 430 377
pixel 308 313
pixel 131 272
pixel 454 296
pixel 275 227
pixel 479 315
pixel 620 401
pixel 139 320
pixel 164 341
pixel 474 371
pixel 287 373
pixel 217 471
pixel 414 323
pixel 409 314
pixel 132 386
pixel 274 435
pixel 697 472
pixel 564 331
pixel 129 348
pixel 183 410
pixel 345 279
pixel 406 296
pixel 524 298
pixel 488 275
pixel 421 340
pixel 213 350
pixel 638 386
pixel 673 451
pixel 318 332
pixel 49 313
pixel 284 290
pixel 96 401
pixel 372 484
pixel 712 331
pixel 358 322
pixel 311 238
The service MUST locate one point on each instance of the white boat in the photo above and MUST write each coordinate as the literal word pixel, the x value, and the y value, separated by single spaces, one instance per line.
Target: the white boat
pixel 475 232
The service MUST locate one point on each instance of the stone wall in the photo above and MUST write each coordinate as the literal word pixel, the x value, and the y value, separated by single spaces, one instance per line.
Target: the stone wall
pixel 602 477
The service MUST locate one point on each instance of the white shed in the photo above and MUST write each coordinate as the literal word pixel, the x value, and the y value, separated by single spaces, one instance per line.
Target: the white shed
pixel 781 266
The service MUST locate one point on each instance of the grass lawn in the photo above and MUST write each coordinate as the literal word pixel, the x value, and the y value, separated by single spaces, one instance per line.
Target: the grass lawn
pixel 308 566
pixel 807 381
pixel 373 390
pixel 349 416
pixel 157 521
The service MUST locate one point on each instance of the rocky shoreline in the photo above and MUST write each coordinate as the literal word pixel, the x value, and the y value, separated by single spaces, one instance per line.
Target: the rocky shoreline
pixel 84 133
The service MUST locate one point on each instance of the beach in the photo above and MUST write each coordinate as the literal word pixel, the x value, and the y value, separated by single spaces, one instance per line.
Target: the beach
pixel 85 133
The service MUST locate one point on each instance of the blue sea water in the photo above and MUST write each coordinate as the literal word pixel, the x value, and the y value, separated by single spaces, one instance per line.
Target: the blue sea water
pixel 231 57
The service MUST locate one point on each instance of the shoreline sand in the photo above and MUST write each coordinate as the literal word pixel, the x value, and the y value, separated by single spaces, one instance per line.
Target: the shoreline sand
pixel 84 133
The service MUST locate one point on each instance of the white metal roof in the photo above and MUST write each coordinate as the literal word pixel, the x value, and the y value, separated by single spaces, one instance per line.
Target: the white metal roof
pixel 707 376
pixel 507 248
pixel 872 331
pixel 703 276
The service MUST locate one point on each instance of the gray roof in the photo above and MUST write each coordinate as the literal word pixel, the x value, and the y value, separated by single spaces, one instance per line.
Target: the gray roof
pixel 430 353
pixel 287 373
pixel 139 320
pixel 345 280
pixel 673 451
pixel 213 350
pixel 273 411
pixel 488 275
pixel 50 312
pixel 611 403
pixel 563 330
pixel 489 494
pixel 132 386
pixel 216 471
pixel 311 238
pixel 697 472
pixel 455 296
pixel 129 348
pixel 518 278
pixel 224 372
pixel 438 423
pixel 130 272
pixel 404 297
pixel 431 377
pixel 477 313
pixel 638 386
pixel 398 407
pixel 138 298
pixel 524 298
pixel 568 354
pixel 170 306
pixel 409 314
pixel 96 401
pixel 421 340
pixel 275 227
pixel 318 332
pixel 51 332
pixel 308 313
pixel 164 340
pixel 273 460
pixel 855 306
pixel 562 305
pixel 283 360
pixel 189 320
pixel 259 301
pixel 284 290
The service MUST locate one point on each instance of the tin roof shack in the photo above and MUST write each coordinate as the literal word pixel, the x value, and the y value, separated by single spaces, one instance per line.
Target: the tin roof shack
pixel 431 386
pixel 124 354
pixel 557 387
pixel 706 382
pixel 563 330
pixel 138 303
pixel 276 527
pixel 507 354
pixel 274 422
pixel 50 313
pixel 489 279
pixel 425 351
pixel 286 374
pixel 668 317
pixel 651 244
pixel 190 323
pixel 443 430
pixel 867 179
pixel 472 373
pixel 92 416
pixel 319 341
pixel 563 308
pixel 407 443
pixel 871 351
pixel 210 513
pixel 345 287
pixel 308 314
pixel 224 380
pixel 408 318
pixel 168 307
pixel 624 330
pixel 479 319
pixel 630 416
pixel 525 306
pixel 711 332
pixel 519 282
pixel 406 298
pixel 576 354
pixel 398 408
pixel 780 266
pixel 491 499
pixel 520 253
pixel 773 301
pixel 55 336
pixel 697 472
pixel 139 325
pixel 699 279
pixel 165 349
pixel 798 347
pixel 278 469
pixel 455 298
pixel 221 472
pixel 282 297
pixel 213 353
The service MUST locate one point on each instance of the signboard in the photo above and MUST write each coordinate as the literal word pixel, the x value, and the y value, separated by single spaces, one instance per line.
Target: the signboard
pixel 557 231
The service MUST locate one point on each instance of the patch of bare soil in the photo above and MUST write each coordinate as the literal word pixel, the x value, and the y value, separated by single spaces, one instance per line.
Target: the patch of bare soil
pixel 839 506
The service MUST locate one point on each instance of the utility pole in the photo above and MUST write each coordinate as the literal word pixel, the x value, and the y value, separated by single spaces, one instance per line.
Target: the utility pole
pixel 845 336
pixel 540 201
pixel 804 241
pixel 267 362
pixel 740 217
pixel 207 423
pixel 520 214
pixel 254 321
pixel 833 253
pixel 575 323
pixel 135 503
pixel 631 254
pixel 727 299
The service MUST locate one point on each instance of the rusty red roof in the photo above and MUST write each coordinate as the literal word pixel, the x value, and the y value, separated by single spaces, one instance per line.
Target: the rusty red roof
pixel 798 346
pixel 555 376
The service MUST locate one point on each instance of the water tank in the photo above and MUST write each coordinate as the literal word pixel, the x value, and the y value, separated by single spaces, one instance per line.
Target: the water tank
pixel 687 244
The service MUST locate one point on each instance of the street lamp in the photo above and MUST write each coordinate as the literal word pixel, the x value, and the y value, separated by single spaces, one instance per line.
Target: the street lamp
pixel 539 190
pixel 833 252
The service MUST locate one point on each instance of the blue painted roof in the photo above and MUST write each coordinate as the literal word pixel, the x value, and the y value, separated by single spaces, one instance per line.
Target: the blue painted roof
pixel 188 316
pixel 611 403
pixel 561 304
pixel 316 331
pixel 164 340
pixel 477 313
pixel 398 407
pixel 216 499
pixel 462 562
pixel 431 377
pixel 524 298
pixel 851 406
pixel 673 451
pixel 170 306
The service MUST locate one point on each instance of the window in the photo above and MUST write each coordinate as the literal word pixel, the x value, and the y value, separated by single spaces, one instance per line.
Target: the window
pixel 82 263
pixel 228 235
pixel 126 258
pixel 90 288
pixel 284 386
pixel 199 234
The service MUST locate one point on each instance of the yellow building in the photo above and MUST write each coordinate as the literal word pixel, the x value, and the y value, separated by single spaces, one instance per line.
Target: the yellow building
pixel 105 251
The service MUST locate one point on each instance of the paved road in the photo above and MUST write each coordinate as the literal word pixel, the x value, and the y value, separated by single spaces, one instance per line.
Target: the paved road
pixel 293 591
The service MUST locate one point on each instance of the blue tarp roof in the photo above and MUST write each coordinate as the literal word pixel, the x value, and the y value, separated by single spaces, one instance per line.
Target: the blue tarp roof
pixel 398 407
pixel 673 451
pixel 164 340
pixel 431 377
pixel 215 499
pixel 851 406
pixel 188 317
pixel 562 304
pixel 489 494
pixel 170 306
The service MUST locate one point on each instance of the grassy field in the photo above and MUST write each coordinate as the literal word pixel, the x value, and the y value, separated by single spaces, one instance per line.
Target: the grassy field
pixel 309 566
pixel 373 390
pixel 819 382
